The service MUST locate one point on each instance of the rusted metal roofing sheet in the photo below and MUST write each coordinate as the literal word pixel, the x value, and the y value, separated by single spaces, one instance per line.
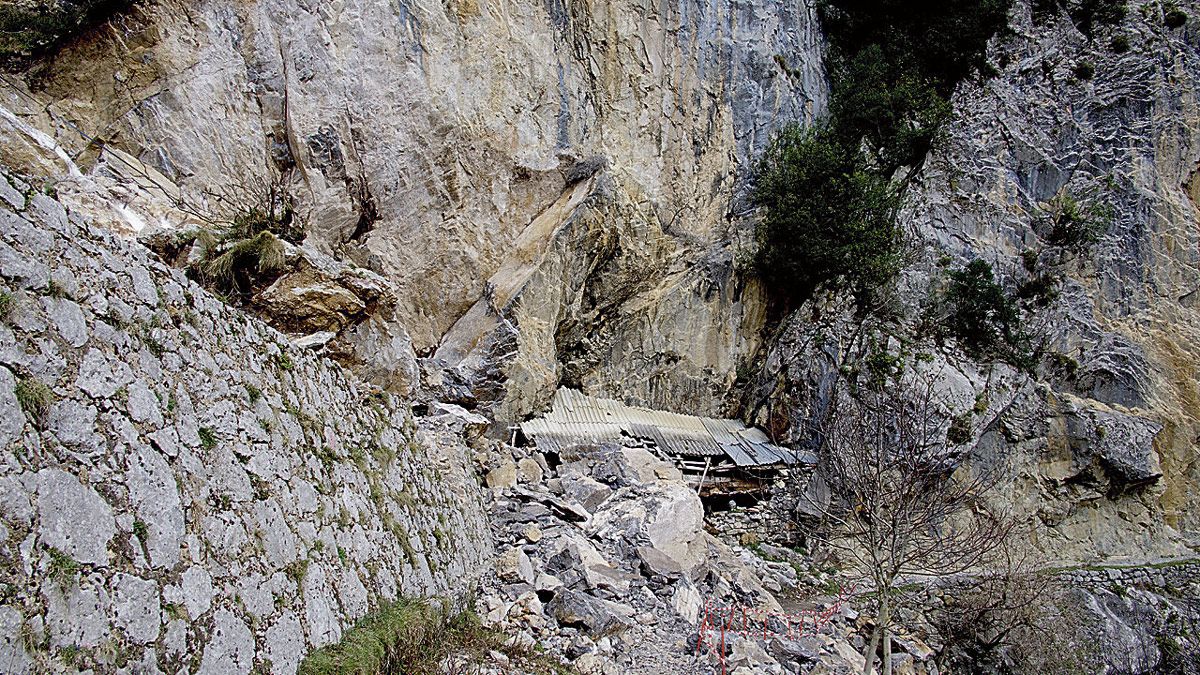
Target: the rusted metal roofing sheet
pixel 577 418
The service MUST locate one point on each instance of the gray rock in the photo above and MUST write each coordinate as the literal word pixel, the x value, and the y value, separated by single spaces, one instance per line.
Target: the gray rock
pixel 143 405
pixel 514 566
pixel 285 644
pixel 67 317
pixel 231 648
pixel 529 471
pixel 136 607
pixel 98 377
pixel 12 418
pixel 73 518
pixel 503 476
pixel 197 591
pixel 76 614
pixel 586 490
pixel 72 422
pixel 154 495
pixel 655 562
pixel 573 608
pixel 13 655
pixel 10 194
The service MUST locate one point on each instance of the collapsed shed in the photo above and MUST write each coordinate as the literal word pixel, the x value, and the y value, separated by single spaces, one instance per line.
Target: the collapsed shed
pixel 717 456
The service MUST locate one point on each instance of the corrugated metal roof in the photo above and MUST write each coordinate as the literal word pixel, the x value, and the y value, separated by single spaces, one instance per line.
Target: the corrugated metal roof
pixel 577 418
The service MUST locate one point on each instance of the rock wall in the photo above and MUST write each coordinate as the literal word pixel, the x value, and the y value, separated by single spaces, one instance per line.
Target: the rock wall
pixel 443 145
pixel 180 488
pixel 1103 436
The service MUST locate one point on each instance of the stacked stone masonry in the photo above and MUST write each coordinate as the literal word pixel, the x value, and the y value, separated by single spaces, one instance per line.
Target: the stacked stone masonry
pixel 181 490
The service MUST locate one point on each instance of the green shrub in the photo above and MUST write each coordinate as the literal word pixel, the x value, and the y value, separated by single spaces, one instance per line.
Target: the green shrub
pixel 960 429
pixel 829 193
pixel 246 250
pixel 1039 290
pixel 8 303
pixel 1084 70
pixel 828 217
pixel 62 567
pixel 208 439
pixel 1119 44
pixel 1075 226
pixel 983 318
pixel 1174 17
pixel 895 64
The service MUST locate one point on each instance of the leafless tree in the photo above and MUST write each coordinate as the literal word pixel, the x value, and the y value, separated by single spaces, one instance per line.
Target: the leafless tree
pixel 901 503
pixel 1016 615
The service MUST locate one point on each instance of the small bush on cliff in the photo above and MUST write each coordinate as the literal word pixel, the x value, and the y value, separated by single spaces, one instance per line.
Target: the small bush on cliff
pixel 895 64
pixel 1173 17
pixel 1075 225
pixel 245 249
pixel 983 318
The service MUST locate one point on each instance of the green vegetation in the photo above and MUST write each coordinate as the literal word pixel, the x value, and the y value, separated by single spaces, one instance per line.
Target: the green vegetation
pixel 245 250
pixel 8 302
pixel 960 429
pixel 62 568
pixel 297 570
pixel 413 636
pixel 1075 226
pixel 208 439
pixel 829 193
pixel 1084 70
pixel 983 318
pixel 35 398
pixel 35 27
pixel 283 361
pixel 1173 17
pixel 829 217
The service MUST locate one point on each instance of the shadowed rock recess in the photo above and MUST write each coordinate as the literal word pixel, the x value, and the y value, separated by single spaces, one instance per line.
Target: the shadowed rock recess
pixel 476 204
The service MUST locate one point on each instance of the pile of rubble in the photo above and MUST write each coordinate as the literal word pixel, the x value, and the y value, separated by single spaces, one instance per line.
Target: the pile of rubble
pixel 604 561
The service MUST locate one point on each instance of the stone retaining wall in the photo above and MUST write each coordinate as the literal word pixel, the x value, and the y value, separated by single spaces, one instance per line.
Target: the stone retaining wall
pixel 181 490
pixel 1165 575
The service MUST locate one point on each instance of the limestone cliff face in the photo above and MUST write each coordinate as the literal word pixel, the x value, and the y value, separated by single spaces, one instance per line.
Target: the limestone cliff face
pixel 551 186
pixel 556 192
pixel 1104 436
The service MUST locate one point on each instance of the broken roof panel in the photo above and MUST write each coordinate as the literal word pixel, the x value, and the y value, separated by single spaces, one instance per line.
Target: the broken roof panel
pixel 578 418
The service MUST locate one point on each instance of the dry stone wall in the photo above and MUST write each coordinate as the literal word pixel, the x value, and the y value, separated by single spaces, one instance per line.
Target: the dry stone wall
pixel 181 490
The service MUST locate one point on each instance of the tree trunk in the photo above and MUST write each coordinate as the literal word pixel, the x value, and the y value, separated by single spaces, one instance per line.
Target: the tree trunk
pixel 869 653
pixel 885 613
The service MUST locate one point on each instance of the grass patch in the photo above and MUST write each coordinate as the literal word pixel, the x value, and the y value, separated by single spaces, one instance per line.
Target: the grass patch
pixel 416 636
pixel 35 398
pixel 63 568
pixel 208 438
